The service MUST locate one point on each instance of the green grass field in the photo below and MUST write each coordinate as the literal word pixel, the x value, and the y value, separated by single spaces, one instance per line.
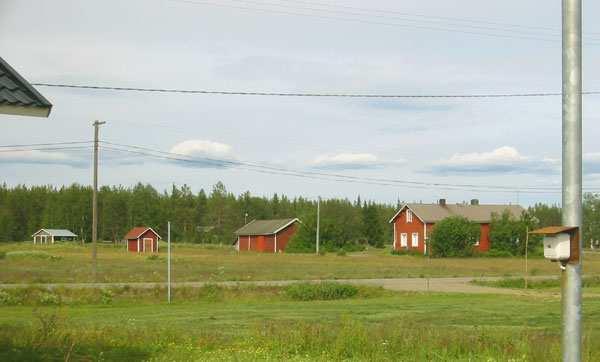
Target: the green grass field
pixel 250 323
pixel 26 263
pixel 265 324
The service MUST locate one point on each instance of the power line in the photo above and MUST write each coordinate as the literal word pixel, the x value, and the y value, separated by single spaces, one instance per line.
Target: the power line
pixel 45 144
pixel 337 18
pixel 327 176
pixel 308 94
pixel 445 18
pixel 46 149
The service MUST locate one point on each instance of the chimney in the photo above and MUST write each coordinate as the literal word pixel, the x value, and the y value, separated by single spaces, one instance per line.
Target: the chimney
pixel 474 202
pixel 442 202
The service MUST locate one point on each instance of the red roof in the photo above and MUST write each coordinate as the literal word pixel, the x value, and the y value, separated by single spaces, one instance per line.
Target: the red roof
pixel 137 231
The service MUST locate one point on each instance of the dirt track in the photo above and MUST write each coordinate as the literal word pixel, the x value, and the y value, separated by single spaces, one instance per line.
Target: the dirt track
pixel 443 285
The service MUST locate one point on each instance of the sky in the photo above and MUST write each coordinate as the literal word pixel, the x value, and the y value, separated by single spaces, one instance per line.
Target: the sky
pixel 359 47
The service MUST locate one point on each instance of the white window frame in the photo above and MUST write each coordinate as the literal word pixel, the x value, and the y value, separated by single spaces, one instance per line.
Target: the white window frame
pixel 409 215
pixel 414 242
pixel 403 240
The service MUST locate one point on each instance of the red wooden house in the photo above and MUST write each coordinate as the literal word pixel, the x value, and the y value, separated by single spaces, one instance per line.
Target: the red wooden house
pixel 270 236
pixel 413 223
pixel 142 239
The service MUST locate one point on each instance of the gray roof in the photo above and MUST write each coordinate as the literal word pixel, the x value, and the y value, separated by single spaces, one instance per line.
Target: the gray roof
pixel 264 227
pixel 431 213
pixel 17 96
pixel 56 232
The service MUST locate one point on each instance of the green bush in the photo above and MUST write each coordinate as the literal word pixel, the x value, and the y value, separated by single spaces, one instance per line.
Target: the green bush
pixel 32 255
pixel 341 252
pixel 7 298
pixel 211 292
pixel 412 252
pixel 106 296
pixel 320 291
pixel 495 253
pixel 153 257
pixel 454 236
pixel 48 298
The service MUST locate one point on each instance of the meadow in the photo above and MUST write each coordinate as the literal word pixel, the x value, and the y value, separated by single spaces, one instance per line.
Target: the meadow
pixel 70 263
pixel 269 323
pixel 299 322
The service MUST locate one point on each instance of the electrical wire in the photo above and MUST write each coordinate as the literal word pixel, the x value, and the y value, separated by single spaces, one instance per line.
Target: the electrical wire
pixel 358 20
pixel 328 176
pixel 45 144
pixel 308 94
pixel 46 149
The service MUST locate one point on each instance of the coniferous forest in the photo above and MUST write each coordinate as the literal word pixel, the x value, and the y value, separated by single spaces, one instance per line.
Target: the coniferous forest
pixel 203 217
pixel 212 216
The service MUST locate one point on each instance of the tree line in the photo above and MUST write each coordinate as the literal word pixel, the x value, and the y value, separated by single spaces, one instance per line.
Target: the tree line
pixel 202 217
pixel 212 216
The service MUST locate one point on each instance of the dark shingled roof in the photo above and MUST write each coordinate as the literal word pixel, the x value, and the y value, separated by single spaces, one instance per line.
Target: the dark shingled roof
pixel 264 227
pixel 16 92
pixel 482 214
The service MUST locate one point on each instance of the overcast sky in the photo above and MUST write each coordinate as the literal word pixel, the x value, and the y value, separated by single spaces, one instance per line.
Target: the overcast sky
pixel 376 47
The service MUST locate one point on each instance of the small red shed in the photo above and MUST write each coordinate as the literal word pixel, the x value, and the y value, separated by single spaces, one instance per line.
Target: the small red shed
pixel 269 236
pixel 142 239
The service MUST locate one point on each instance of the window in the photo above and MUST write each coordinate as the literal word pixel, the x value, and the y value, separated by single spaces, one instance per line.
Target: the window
pixel 477 243
pixel 409 216
pixel 415 240
pixel 404 240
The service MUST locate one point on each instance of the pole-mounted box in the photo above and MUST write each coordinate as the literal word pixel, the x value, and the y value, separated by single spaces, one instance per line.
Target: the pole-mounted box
pixel 561 243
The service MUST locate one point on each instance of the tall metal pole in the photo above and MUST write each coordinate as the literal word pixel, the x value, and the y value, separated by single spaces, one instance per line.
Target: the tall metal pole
pixel 318 221
pixel 169 262
pixel 571 173
pixel 96 125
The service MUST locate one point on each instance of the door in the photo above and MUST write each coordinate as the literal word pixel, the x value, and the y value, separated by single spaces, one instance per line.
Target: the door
pixel 403 240
pixel 148 244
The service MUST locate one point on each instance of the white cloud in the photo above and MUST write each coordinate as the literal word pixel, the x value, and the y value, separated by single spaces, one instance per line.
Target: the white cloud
pixel 204 153
pixel 349 161
pixel 504 159
pixel 502 155
pixel 43 157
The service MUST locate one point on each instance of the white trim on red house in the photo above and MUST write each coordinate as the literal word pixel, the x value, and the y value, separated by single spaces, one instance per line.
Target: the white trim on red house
pixel 424 238
pixel 285 226
pixel 399 211
pixel 143 232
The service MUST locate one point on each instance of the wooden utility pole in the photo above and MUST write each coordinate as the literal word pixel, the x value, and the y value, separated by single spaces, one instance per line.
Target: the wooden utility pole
pixel 96 125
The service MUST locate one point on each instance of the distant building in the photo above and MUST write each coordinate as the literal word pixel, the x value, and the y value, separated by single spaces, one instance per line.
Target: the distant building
pixel 44 235
pixel 18 97
pixel 413 223
pixel 142 239
pixel 268 236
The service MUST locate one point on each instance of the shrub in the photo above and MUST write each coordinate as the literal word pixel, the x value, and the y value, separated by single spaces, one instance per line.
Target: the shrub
pixel 320 291
pixel 454 236
pixel 49 299
pixel 32 255
pixel 341 252
pixel 2 255
pixel 413 252
pixel 495 253
pixel 211 292
pixel 153 257
pixel 8 299
pixel 106 296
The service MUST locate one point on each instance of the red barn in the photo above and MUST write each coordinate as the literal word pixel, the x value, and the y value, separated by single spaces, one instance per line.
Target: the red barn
pixel 413 223
pixel 142 239
pixel 270 236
